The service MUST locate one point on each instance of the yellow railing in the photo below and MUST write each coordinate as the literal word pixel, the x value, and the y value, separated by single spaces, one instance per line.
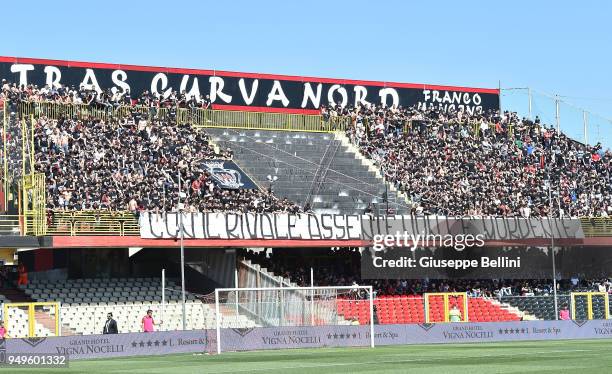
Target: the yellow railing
pixel 596 226
pixel 81 111
pixel 261 120
pixel 124 223
pixel 198 117
pixel 33 199
pixel 99 222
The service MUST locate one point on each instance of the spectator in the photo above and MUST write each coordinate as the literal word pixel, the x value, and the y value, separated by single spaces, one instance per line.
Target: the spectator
pixel 448 169
pixel 3 332
pixel 3 276
pixel 564 314
pixel 22 279
pixel 148 324
pixel 110 326
pixel 455 314
pixel 131 164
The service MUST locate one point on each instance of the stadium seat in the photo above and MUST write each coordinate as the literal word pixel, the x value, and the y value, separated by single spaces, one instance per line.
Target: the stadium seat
pixel 395 309
pixel 85 303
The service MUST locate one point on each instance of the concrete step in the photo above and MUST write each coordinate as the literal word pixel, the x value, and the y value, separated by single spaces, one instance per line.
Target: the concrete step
pixel 347 186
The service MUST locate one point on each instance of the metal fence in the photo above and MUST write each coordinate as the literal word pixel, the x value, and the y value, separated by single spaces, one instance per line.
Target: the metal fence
pixel 125 223
pixel 92 222
pixel 197 117
pixel 578 123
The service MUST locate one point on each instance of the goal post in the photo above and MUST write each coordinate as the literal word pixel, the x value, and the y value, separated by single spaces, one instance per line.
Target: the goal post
pixel 434 301
pixel 317 307
pixel 580 300
pixel 34 319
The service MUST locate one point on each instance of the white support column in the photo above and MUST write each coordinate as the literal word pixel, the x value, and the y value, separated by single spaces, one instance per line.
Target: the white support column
pixel 218 320
pixel 282 303
pixel 371 293
pixel 182 233
pixel 163 294
pixel 312 297
pixel 236 296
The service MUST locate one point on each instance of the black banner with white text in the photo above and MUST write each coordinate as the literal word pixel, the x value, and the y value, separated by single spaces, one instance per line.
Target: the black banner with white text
pixel 245 91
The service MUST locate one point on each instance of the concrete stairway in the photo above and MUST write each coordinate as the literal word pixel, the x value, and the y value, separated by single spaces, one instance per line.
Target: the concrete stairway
pixel 315 168
pixel 48 322
pixel 13 294
pixel 9 225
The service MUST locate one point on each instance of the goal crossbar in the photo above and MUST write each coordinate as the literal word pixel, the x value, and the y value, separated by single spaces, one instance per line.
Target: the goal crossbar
pixel 311 289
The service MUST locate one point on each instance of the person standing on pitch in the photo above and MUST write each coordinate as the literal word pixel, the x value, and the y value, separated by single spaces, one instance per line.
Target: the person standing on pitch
pixel 148 324
pixel 110 327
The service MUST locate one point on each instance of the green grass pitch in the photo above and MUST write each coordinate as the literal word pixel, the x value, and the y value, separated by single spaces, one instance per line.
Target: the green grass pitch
pixel 569 356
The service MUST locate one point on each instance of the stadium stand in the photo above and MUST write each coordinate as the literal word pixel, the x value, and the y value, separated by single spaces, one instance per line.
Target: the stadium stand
pixel 426 154
pixel 318 170
pixel 85 303
pixel 542 307
pixel 131 164
pixel 447 165
pixel 100 290
pixel 19 323
pixel 450 164
pixel 103 100
pixel 411 309
pixel 398 308
pixel 89 319
pixel 402 300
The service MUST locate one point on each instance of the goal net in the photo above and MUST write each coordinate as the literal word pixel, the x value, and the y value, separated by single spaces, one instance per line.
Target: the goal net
pixel 294 317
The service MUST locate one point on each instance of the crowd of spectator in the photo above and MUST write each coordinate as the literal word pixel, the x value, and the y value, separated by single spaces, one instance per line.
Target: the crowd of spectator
pixel 129 162
pixel 484 164
pixel 341 267
pixel 109 98
pixel 134 163
pixel 448 163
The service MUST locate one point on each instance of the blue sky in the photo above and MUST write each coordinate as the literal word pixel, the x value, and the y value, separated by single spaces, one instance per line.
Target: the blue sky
pixel 558 47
